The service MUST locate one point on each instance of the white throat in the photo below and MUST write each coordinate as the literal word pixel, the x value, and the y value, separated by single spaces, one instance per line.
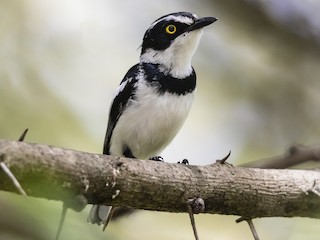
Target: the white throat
pixel 176 59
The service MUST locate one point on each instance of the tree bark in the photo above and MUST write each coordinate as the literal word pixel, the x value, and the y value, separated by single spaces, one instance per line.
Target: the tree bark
pixel 61 174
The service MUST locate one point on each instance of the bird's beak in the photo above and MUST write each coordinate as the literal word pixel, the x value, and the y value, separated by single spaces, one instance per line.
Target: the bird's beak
pixel 201 22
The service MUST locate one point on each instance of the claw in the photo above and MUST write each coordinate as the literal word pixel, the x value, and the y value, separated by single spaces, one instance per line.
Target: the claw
pixel 184 161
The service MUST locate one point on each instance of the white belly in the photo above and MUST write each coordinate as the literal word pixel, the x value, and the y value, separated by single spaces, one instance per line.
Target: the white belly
pixel 150 123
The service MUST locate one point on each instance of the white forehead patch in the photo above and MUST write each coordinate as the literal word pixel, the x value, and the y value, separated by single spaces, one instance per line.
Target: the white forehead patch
pixel 181 19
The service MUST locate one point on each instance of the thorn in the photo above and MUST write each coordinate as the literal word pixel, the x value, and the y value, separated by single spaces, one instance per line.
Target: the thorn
pixel 223 160
pixel 250 223
pixel 11 176
pixel 23 135
pixel 193 224
pixel 108 218
pixel 62 218
pixel 78 203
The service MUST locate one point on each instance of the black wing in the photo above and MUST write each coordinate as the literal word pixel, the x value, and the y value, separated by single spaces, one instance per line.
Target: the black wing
pixel 120 101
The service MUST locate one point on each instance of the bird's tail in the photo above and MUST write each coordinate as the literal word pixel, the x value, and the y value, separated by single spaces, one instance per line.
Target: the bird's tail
pixel 99 214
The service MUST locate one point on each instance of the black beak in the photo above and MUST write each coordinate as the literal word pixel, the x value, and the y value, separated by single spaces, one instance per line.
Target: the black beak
pixel 201 22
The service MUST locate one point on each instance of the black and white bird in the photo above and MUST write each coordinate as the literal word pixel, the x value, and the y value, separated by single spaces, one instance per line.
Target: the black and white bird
pixel 155 96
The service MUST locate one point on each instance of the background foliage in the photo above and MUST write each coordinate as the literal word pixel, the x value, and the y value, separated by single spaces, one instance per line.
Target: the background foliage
pixel 258 92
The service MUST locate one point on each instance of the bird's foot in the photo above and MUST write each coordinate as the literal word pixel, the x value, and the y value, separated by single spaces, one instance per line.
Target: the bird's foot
pixel 184 161
pixel 156 158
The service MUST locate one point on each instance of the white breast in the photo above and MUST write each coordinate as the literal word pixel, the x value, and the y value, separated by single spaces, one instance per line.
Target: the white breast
pixel 150 123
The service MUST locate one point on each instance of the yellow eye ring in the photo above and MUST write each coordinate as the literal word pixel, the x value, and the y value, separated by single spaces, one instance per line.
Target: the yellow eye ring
pixel 171 29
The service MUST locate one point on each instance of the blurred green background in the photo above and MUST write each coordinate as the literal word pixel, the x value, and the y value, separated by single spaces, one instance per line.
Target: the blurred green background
pixel 258 71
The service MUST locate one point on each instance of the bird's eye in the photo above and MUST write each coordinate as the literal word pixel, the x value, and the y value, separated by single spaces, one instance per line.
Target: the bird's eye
pixel 171 29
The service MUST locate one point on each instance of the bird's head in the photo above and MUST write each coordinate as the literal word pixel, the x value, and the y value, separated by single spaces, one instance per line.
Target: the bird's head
pixel 172 40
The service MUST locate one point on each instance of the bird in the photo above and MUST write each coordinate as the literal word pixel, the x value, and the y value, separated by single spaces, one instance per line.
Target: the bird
pixel 155 96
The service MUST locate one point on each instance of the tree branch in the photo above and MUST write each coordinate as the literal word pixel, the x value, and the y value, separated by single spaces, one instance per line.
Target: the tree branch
pixel 61 174
pixel 296 154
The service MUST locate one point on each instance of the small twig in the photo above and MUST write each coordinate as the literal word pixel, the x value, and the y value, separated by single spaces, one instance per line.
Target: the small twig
pixel 295 155
pixel 250 223
pixel 23 135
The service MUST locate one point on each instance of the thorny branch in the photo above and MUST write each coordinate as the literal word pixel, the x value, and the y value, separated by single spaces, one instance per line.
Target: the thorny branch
pixel 159 186
pixel 225 189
